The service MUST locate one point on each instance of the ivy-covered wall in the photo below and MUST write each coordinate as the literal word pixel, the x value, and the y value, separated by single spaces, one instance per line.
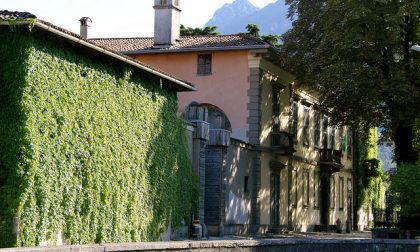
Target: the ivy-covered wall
pixel 371 180
pixel 90 149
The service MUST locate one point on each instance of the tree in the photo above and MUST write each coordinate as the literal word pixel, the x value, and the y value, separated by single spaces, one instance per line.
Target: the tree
pixel 357 55
pixel 188 31
pixel 272 39
pixel 406 189
pixel 253 30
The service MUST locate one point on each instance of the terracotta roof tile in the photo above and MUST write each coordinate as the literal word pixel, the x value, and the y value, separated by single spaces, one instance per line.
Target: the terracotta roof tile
pixel 12 15
pixel 127 45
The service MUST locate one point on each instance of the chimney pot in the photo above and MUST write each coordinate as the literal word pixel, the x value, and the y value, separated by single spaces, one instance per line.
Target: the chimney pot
pixel 85 23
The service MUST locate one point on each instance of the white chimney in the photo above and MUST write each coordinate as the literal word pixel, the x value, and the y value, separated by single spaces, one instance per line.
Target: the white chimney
pixel 85 23
pixel 167 22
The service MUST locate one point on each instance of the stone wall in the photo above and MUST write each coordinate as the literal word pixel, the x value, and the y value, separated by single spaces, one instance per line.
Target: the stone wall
pixel 267 245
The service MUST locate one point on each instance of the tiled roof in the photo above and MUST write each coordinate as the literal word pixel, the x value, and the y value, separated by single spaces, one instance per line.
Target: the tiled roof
pixel 11 15
pixel 209 42
pixel 14 15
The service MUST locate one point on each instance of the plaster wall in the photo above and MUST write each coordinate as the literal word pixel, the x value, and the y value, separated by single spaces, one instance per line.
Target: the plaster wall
pixel 227 83
pixel 240 158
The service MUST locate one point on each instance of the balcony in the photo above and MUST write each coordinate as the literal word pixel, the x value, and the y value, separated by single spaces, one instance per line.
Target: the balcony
pixel 282 143
pixel 219 137
pixel 330 161
pixel 201 129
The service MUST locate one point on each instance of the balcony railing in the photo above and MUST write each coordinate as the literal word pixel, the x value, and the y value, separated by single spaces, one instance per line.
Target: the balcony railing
pixel 219 137
pixel 386 218
pixel 332 156
pixel 201 130
pixel 282 143
pixel 330 161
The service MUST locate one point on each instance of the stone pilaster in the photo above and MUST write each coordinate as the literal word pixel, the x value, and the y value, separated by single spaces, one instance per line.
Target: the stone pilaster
pixel 253 134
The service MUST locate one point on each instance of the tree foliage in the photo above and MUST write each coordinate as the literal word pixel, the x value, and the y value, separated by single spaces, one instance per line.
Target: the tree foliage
pixel 208 30
pixel 357 55
pixel 405 184
pixel 254 31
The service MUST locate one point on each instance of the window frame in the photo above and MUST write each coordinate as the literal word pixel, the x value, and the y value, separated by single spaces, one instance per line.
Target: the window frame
pixel 306 126
pixel 325 130
pixel 316 190
pixel 341 193
pixel 317 129
pixel 332 192
pixel 305 188
pixel 294 189
pixel 204 68
pixel 295 118
pixel 349 144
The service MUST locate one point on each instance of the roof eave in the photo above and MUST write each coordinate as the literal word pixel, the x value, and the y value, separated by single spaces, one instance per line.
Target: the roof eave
pixel 181 85
pixel 195 49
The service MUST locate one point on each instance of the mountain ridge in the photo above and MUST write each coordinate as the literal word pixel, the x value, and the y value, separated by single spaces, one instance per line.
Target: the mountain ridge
pixel 234 17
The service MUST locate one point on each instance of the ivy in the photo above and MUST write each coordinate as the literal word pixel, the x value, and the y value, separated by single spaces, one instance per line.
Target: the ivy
pixel 371 180
pixel 90 148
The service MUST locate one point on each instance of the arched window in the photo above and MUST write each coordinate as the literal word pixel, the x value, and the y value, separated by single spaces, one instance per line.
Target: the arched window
pixel 209 113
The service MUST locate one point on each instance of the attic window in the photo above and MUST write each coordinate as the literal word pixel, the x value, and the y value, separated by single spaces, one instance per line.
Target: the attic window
pixel 204 64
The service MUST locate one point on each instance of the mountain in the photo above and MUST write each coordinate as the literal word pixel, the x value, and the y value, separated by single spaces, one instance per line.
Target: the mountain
pixel 233 18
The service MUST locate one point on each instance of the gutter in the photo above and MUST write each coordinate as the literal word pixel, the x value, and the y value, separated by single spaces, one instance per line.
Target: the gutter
pixel 200 49
pixel 107 52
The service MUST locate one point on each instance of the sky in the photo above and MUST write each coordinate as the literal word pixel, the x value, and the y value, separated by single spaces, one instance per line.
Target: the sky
pixel 111 18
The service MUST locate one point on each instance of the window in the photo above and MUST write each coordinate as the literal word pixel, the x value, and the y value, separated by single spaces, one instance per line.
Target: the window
pixel 176 2
pixel 276 100
pixel 341 193
pixel 316 190
pixel 204 64
pixel 349 186
pixel 332 192
pixel 306 126
pixel 317 129
pixel 246 178
pixel 331 138
pixel 349 144
pixel 305 193
pixel 293 196
pixel 163 2
pixel 340 138
pixel 295 116
pixel 324 132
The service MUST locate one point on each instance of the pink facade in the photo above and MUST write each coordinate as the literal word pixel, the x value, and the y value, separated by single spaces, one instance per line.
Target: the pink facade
pixel 228 82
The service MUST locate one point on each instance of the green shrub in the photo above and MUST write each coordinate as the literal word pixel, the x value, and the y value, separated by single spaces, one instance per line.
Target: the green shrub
pixel 90 148
pixel 405 184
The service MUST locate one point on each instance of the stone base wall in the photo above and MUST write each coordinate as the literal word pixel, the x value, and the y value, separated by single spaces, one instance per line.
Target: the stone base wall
pixel 266 245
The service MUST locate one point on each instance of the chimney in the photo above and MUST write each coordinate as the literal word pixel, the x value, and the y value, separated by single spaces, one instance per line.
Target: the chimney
pixel 85 23
pixel 167 22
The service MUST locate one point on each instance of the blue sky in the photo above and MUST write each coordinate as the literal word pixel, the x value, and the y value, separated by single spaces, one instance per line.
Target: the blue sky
pixel 123 18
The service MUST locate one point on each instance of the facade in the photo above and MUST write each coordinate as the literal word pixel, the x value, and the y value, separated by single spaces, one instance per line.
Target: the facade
pixel 268 161
pixel 92 150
